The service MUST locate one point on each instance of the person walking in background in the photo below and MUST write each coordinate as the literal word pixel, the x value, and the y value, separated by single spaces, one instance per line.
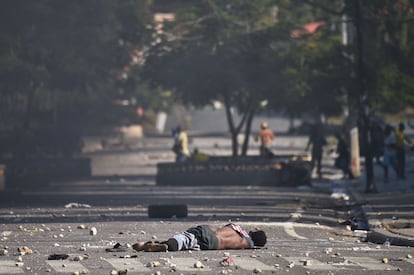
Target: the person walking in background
pixel 317 141
pixel 180 146
pixel 389 159
pixel 400 141
pixel 344 157
pixel 265 137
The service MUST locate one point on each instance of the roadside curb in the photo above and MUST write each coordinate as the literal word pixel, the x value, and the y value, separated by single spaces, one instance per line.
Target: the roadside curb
pixel 381 236
pixel 378 232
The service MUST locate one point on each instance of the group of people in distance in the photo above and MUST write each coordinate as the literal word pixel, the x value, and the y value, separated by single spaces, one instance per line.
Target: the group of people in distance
pixel 394 152
pixel 388 147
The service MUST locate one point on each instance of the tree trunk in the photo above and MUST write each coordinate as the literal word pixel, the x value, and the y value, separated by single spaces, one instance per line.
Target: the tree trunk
pixel 247 132
pixel 232 129
pixel 363 103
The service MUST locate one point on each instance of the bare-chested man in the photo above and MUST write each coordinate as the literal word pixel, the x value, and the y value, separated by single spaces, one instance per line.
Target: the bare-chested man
pixel 207 237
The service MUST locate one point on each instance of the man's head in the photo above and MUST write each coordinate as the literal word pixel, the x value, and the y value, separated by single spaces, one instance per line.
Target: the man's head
pixel 264 125
pixel 258 237
pixel 401 127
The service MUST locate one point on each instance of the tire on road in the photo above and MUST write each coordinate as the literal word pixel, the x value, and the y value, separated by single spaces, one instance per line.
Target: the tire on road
pixel 167 211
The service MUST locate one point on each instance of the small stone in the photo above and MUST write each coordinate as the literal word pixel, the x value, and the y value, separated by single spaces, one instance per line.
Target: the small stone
pixel 78 258
pixel 328 250
pixel 114 272
pixel 154 237
pixel 81 226
pixel 28 268
pixel 48 270
pixel 291 265
pixel 226 254
pixel 198 264
pixel 257 270
pixel 277 265
pixel 61 235
pixel 173 267
pixel 158 273
pixel 143 232
pixel 19 259
pixel 76 273
pixel 24 250
pixel 4 252
pixel 153 264
pixel 409 256
pixel 93 231
pixel 19 264
pixel 385 260
pixel 307 263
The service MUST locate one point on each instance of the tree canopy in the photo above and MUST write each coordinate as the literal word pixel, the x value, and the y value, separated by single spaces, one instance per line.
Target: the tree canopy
pixel 295 56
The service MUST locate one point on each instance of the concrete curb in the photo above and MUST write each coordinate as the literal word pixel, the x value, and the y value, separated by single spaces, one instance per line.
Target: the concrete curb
pixel 381 236
pixel 378 232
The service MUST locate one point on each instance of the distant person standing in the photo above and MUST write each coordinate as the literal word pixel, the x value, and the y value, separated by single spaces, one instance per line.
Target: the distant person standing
pixel 317 141
pixel 344 156
pixel 265 137
pixel 180 146
pixel 389 152
pixel 400 142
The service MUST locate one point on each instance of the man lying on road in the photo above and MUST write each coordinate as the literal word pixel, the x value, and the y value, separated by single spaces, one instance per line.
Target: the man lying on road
pixel 207 237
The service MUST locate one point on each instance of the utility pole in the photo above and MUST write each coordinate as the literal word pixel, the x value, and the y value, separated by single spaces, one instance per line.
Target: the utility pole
pixel 363 102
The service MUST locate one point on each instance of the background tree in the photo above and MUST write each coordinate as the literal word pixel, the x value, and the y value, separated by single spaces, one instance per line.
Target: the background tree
pixel 212 54
pixel 58 59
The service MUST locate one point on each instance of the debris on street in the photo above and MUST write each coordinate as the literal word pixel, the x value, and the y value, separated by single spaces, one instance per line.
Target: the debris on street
pixel 77 205
pixel 58 257
pixel 23 250
pixel 227 261
pixel 93 231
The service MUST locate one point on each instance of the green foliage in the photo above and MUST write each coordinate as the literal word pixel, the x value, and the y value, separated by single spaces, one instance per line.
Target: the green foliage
pixel 388 53
pixel 65 53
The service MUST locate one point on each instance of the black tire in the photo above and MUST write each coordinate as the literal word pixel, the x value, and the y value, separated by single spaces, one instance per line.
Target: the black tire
pixel 168 211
